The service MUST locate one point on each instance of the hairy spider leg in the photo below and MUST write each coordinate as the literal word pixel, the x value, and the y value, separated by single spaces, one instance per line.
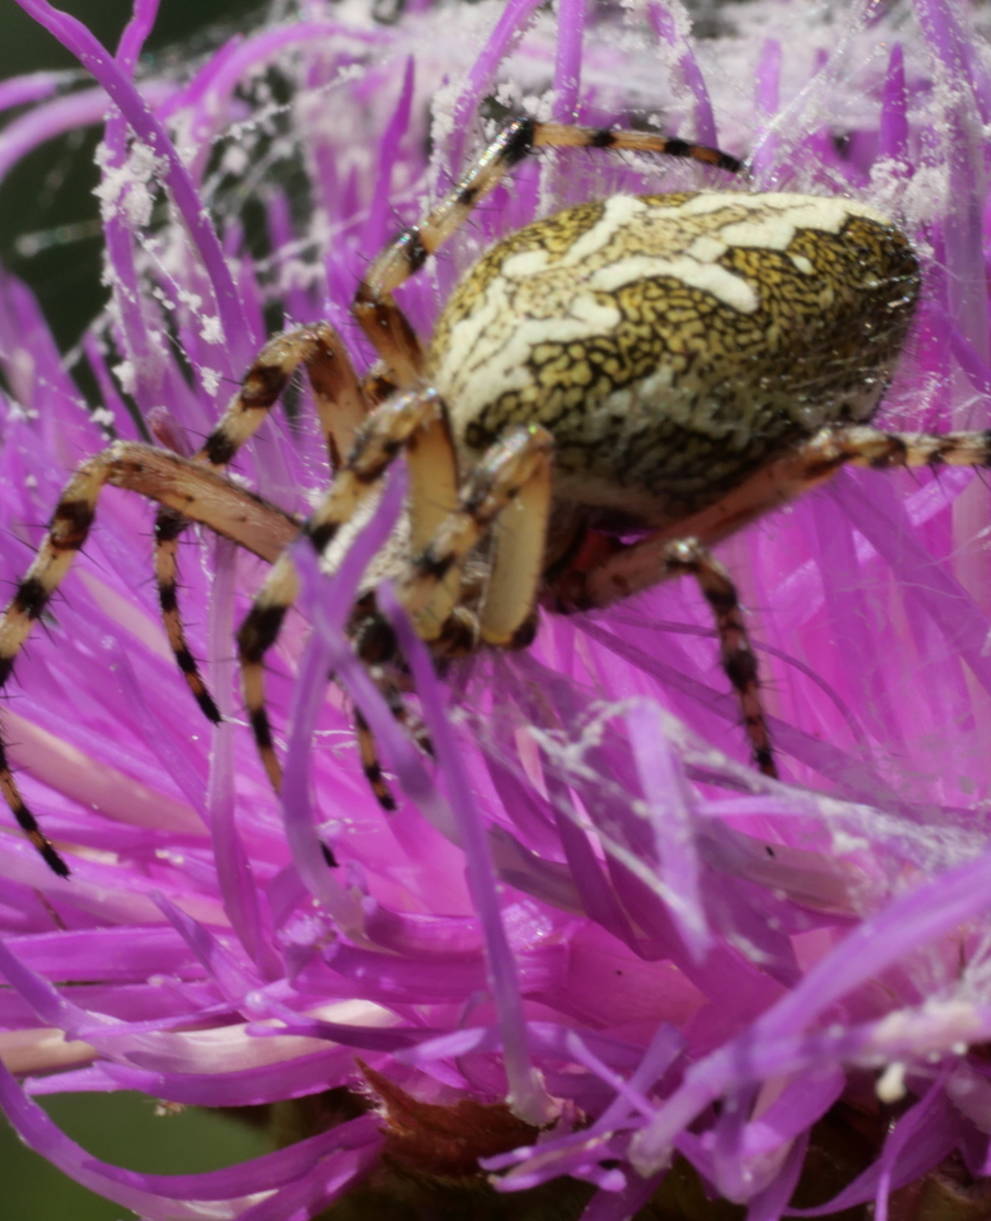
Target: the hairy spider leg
pixel 506 498
pixel 177 483
pixel 342 400
pixel 415 422
pixel 507 495
pixel 340 405
pixel 375 644
pixel 432 492
pixel 632 568
pixel 368 756
pixel 514 472
pixel 625 570
pixel 374 306
pixel 736 653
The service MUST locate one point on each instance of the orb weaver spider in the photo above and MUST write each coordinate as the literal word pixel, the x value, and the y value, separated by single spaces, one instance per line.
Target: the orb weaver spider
pixel 664 366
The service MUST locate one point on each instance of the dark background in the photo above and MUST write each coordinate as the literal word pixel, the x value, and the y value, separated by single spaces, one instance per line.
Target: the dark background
pixel 53 188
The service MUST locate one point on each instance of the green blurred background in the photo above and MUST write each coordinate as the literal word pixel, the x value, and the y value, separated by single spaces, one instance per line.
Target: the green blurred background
pixel 50 194
pixel 50 197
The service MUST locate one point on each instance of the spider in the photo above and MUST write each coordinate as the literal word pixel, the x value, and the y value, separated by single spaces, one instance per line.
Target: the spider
pixel 608 392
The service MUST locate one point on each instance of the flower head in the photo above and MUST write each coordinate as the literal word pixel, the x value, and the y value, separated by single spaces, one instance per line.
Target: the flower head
pixel 592 944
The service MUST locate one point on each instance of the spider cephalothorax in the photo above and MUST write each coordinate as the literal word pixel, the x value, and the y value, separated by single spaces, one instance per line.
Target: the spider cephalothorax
pixel 608 392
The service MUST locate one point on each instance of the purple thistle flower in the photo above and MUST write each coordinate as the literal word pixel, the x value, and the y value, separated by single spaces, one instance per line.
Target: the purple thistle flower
pixel 592 942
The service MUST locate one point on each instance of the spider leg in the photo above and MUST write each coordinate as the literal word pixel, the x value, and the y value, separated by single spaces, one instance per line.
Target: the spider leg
pixel 614 570
pixel 736 653
pixel 374 306
pixel 864 446
pixel 370 764
pixel 173 481
pixel 507 494
pixel 367 750
pixel 626 570
pixel 375 644
pixel 619 571
pixel 341 407
pixel 337 393
pixel 415 422
pixel 519 542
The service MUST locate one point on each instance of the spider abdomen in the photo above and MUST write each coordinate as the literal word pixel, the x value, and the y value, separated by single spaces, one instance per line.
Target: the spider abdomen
pixel 673 344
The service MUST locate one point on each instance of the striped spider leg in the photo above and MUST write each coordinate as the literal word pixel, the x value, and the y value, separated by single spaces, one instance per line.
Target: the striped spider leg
pixel 175 482
pixel 340 403
pixel 619 571
pixel 342 400
pixel 506 498
pixel 193 490
pixel 373 305
pixel 608 571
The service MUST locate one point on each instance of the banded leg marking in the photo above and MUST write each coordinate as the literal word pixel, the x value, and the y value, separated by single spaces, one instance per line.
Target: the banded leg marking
pixel 67 532
pixel 518 468
pixel 341 408
pixel 370 764
pixel 386 683
pixel 337 393
pixel 513 473
pixel 624 571
pixel 864 446
pixel 169 479
pixel 256 635
pixel 520 465
pixel 374 307
pixel 414 422
pixel 736 654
